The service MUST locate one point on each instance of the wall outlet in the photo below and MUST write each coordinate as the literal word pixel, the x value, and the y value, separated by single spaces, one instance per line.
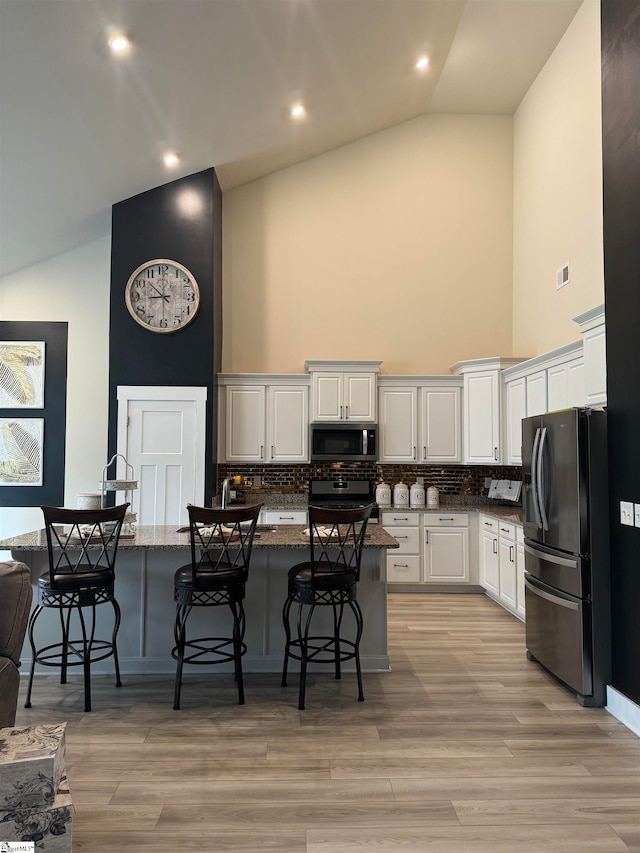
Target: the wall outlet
pixel 636 514
pixel 420 482
pixel 626 513
pixel 257 480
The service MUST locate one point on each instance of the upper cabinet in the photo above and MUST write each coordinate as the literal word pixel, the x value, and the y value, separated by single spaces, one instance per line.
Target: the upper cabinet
pixel 264 418
pixel 343 391
pixel 419 419
pixel 592 329
pixel 482 432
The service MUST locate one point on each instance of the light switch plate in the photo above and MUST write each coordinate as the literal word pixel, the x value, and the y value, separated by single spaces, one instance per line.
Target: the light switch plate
pixel 626 513
pixel 636 514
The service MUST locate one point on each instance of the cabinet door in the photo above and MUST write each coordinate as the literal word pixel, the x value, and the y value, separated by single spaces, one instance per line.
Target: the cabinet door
pixel 446 555
pixel 520 579
pixel 482 417
pixel 516 410
pixel 359 397
pixel 288 423
pixel 327 397
pixel 537 393
pixel 557 387
pixel 576 387
pixel 398 425
pixel 595 361
pixel 507 572
pixel 440 425
pixel 245 423
pixel 489 561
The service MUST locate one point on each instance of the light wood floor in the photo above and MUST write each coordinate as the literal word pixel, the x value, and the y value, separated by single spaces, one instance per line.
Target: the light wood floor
pixel 465 747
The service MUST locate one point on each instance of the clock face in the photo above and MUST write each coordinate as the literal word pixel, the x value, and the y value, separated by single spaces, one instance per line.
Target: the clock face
pixel 162 295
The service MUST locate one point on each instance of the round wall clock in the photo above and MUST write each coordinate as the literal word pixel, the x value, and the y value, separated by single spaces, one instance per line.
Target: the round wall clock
pixel 162 295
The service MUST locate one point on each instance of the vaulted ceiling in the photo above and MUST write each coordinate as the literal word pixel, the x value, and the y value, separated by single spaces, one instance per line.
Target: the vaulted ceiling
pixel 213 80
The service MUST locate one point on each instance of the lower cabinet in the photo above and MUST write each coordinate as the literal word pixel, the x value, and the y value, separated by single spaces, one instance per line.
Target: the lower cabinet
pixel 446 548
pixel 502 563
pixel 434 547
pixel 278 516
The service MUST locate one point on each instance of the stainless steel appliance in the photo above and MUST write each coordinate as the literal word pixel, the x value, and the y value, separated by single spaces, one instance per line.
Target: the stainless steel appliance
pixel 343 493
pixel 343 442
pixel 567 597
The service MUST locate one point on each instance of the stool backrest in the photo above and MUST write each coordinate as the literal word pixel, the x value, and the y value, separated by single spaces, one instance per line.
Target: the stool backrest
pixel 221 539
pixel 336 537
pixel 82 540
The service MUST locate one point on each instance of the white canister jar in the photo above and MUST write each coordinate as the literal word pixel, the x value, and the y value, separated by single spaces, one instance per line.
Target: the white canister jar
pixel 433 498
pixel 401 494
pixel 88 500
pixel 383 494
pixel 416 495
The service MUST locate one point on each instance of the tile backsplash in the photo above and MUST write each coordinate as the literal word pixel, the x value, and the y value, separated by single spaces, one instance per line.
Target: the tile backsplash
pixel 449 479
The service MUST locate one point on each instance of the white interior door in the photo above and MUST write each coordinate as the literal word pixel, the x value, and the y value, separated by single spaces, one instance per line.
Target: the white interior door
pixel 161 431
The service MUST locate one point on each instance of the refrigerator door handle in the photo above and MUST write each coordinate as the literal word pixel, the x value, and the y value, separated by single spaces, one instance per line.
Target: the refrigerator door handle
pixel 534 481
pixel 539 479
pixel 554 599
pixel 551 558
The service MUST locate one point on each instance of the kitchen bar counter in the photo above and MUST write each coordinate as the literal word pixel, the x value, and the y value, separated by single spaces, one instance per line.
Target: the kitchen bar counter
pixel 144 588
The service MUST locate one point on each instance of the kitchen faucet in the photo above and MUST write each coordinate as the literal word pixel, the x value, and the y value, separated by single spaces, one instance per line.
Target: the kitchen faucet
pixel 226 492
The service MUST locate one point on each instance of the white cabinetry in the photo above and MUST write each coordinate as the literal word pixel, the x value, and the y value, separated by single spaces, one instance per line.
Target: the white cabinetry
pixel 403 563
pixel 419 419
pixel 489 555
pixel 343 391
pixel 592 329
pixel 446 547
pixel 551 381
pixel 482 408
pixel 263 421
pixel 283 516
pixel 502 562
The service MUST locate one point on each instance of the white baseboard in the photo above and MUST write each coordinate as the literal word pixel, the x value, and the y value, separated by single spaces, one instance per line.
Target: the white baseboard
pixel 623 709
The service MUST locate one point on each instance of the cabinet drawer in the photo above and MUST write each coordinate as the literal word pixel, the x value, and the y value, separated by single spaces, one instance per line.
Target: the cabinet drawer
pixel 403 569
pixel 488 523
pixel 445 519
pixel 408 537
pixel 400 519
pixel 276 516
pixel 507 530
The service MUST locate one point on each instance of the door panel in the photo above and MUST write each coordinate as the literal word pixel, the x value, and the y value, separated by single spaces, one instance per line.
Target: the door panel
pixel 561 495
pixel 562 571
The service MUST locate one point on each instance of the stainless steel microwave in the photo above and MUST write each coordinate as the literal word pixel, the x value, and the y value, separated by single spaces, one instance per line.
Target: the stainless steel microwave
pixel 343 442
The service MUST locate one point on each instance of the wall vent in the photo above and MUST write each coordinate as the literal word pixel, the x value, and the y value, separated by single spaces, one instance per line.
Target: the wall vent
pixel 562 277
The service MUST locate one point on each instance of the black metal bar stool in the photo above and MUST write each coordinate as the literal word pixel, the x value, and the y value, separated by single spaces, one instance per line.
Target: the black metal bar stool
pixel 329 578
pixel 221 543
pixel 82 546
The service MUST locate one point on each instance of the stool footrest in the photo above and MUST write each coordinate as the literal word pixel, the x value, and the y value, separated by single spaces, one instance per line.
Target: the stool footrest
pixel 208 650
pixel 53 655
pixel 317 646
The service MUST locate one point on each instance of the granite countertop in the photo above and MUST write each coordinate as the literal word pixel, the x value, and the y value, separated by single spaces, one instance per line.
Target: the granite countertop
pixel 167 538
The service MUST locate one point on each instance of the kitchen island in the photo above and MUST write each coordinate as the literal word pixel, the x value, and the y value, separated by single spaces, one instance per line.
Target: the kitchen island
pixel 144 589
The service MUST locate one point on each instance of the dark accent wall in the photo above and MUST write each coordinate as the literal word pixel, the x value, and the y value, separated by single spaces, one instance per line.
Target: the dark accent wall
pixel 182 221
pixel 620 21
pixel 54 412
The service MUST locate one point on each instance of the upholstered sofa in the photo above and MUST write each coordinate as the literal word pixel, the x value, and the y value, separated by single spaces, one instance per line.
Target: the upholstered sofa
pixel 15 604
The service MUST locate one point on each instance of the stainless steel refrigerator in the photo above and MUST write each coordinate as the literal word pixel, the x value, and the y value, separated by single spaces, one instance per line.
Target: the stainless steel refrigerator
pixel 567 598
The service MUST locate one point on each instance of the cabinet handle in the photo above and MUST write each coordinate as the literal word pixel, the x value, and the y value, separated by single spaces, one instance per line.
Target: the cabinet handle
pixel 511 553
pixel 426 537
pixel 488 524
pixel 346 413
pixel 495 546
pixel 285 518
pixel 495 453
pixel 400 518
pixel 446 519
pixel 414 451
pixel 340 412
pixel 402 537
pixel 272 451
pixel 424 452
pixel 262 451
pixel 401 565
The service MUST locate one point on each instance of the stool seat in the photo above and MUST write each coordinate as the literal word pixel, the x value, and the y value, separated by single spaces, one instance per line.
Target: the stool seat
pixel 81 546
pixel 221 543
pixel 329 578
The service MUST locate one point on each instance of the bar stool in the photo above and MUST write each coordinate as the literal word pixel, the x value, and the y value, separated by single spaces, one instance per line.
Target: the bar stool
pixel 329 578
pixel 221 543
pixel 82 546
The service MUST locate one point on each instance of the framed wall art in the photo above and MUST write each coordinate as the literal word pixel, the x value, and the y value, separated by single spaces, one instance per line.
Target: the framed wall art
pixel 22 374
pixel 21 451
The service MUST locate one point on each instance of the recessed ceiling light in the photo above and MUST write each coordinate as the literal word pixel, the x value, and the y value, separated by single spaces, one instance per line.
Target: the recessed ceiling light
pixel 297 110
pixel 170 158
pixel 422 63
pixel 118 42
